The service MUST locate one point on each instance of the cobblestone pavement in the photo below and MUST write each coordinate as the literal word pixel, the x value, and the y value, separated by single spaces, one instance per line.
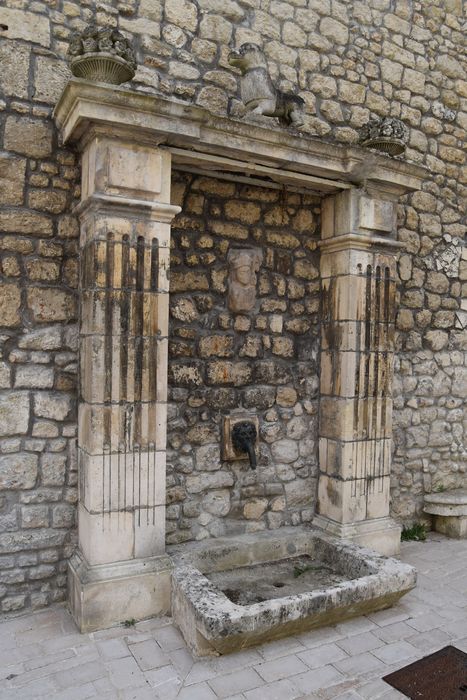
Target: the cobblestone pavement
pixel 42 655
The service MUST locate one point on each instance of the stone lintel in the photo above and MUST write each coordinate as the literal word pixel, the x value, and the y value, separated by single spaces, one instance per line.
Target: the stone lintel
pixel 179 125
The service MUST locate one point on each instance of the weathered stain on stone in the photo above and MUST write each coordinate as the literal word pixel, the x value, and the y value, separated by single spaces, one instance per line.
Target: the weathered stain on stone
pixel 213 624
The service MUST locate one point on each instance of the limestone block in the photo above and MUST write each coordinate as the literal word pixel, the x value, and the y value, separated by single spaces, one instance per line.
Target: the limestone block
pixel 50 77
pixel 51 304
pixel 450 66
pixel 53 202
pixel 353 93
pixel 55 406
pixel 43 270
pixel 184 309
pixel 12 175
pixel 11 542
pixel 34 516
pixel 14 68
pixel 53 468
pixel 105 538
pixel 32 376
pixel 334 30
pixel 255 508
pixel 152 9
pixel 345 261
pixel 216 100
pixel 23 221
pixel 188 282
pixel 347 419
pixel 227 372
pixel 48 338
pixel 114 425
pixel 120 536
pixel 355 459
pixel 209 480
pixel 285 450
pixel 122 481
pixel 31 137
pixel 28 26
pixel 352 374
pixel 14 413
pixel 216 345
pixel 5 376
pixel 300 493
pixel 208 456
pixel 182 13
pixel 451 527
pixel 149 529
pixel 391 72
pixel 217 502
pixel 125 169
pixel 63 515
pixel 345 298
pixel 10 302
pixel 377 215
pixel 18 471
pixel 110 594
pixel 286 396
pixel 341 501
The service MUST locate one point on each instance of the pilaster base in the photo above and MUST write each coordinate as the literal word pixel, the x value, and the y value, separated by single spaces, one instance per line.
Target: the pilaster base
pixel 108 594
pixel 381 534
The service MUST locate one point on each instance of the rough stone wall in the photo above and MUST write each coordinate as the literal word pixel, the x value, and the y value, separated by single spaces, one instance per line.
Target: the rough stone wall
pixel 38 341
pixel 349 60
pixel 265 361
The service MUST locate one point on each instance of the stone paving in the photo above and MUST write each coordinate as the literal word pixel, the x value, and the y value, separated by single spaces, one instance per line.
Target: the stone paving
pixel 42 655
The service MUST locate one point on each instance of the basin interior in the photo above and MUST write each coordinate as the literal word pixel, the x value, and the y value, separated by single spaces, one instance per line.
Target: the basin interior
pixel 285 577
pixel 261 564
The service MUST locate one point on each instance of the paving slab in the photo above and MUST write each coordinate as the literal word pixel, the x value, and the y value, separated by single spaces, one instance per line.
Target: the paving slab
pixel 43 656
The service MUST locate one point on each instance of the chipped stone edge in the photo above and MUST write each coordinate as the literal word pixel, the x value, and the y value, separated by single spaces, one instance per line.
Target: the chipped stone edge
pixel 211 623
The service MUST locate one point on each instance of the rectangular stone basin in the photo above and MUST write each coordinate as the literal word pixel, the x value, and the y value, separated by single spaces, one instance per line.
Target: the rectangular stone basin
pixel 236 592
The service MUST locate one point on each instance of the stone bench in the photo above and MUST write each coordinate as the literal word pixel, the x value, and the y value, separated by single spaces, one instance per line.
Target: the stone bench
pixel 449 509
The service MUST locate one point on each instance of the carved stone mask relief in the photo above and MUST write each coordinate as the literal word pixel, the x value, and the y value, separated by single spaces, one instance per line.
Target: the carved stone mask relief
pixel 243 266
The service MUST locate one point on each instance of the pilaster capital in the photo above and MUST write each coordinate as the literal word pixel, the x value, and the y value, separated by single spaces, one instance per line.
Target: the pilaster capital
pixel 358 219
pixel 107 205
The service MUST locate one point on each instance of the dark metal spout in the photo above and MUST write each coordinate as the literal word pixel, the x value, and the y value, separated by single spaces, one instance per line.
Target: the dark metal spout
pixel 244 439
pixel 251 454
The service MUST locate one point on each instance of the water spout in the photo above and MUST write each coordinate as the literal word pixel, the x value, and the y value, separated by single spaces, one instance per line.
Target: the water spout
pixel 244 438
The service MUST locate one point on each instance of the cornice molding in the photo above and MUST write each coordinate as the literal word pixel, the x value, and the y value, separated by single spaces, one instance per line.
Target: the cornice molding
pixel 173 124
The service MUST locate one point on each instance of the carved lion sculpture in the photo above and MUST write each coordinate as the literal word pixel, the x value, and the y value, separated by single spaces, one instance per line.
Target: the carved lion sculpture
pixel 257 89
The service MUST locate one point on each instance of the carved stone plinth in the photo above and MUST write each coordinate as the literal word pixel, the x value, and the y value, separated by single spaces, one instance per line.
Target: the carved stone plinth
pixel 358 267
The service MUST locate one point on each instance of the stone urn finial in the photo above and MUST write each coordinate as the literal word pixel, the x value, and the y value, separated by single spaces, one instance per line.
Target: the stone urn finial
pixel 102 55
pixel 386 134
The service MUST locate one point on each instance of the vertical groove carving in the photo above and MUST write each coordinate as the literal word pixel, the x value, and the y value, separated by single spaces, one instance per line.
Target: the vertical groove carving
pixel 372 380
pixel 119 282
